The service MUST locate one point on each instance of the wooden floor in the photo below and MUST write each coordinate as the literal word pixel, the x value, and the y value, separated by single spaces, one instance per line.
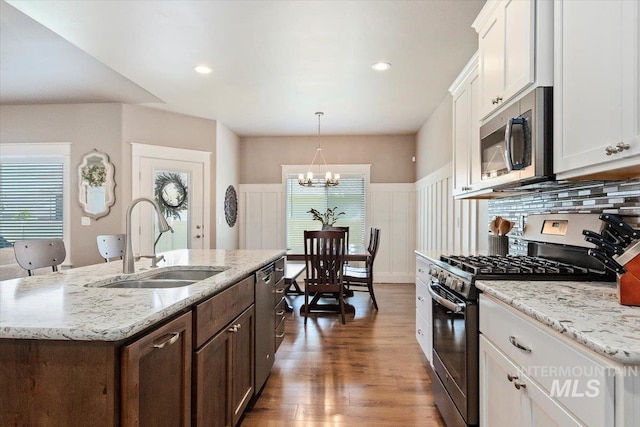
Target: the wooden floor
pixel 368 372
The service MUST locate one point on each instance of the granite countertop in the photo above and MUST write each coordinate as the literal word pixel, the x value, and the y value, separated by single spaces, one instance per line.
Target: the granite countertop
pixel 58 306
pixel 586 312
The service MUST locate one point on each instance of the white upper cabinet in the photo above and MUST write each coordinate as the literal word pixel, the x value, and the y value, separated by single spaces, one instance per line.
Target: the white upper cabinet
pixel 515 49
pixel 596 89
pixel 466 128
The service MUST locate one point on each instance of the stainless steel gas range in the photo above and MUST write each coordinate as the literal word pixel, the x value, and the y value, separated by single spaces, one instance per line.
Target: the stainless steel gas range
pixel 556 251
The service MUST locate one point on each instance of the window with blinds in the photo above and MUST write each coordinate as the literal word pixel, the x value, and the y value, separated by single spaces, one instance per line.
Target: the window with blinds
pixel 31 202
pixel 348 197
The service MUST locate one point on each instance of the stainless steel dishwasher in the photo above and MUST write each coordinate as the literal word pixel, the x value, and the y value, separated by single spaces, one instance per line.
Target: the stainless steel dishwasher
pixel 265 324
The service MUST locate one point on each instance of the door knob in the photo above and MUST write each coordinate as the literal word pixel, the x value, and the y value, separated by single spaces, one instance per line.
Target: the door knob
pixel 197 236
pixel 197 227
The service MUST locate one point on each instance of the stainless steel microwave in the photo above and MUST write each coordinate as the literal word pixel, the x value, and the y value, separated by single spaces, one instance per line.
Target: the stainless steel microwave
pixel 516 146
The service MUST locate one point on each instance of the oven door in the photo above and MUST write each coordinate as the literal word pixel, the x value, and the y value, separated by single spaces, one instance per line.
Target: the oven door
pixel 455 348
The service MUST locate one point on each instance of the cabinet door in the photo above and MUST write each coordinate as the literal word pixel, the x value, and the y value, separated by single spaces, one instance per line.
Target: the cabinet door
pixel 501 405
pixel 242 385
pixel 491 51
pixel 156 377
pixel 596 83
pixel 518 46
pixel 212 376
pixel 461 138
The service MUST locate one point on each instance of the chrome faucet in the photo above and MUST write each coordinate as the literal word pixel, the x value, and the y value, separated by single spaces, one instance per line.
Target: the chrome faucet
pixel 128 259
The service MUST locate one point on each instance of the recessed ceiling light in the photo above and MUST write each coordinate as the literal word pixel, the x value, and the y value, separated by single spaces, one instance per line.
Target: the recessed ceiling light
pixel 202 69
pixel 381 66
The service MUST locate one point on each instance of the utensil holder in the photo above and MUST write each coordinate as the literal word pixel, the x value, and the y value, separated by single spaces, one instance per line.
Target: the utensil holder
pixel 498 245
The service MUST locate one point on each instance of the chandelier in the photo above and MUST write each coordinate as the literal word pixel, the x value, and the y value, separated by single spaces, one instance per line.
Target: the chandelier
pixel 330 179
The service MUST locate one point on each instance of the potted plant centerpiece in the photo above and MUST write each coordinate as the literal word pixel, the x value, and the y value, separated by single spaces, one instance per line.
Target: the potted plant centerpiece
pixel 328 218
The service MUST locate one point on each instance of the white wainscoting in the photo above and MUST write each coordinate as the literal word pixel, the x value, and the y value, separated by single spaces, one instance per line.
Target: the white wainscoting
pixel 446 225
pixel 261 209
pixel 390 207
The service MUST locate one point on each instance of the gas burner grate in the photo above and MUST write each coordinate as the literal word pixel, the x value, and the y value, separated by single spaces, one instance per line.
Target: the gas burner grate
pixel 511 264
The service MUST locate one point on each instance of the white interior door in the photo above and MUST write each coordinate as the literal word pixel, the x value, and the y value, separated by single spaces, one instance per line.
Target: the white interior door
pixel 178 181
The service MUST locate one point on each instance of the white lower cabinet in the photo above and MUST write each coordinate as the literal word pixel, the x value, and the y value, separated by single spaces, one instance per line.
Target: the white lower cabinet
pixel 508 397
pixel 531 375
pixel 424 332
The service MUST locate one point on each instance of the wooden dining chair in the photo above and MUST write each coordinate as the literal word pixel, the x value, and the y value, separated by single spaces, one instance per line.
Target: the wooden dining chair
pixel 344 229
pixel 34 254
pixel 324 259
pixel 361 278
pixel 111 246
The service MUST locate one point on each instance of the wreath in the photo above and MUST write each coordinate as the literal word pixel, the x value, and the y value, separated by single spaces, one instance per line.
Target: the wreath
pixel 171 194
pixel 95 175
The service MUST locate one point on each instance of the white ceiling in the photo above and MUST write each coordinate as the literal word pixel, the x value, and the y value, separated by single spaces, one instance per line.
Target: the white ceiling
pixel 275 63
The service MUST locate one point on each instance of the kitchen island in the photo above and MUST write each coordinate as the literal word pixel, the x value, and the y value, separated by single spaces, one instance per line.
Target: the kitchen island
pixel 564 352
pixel 74 354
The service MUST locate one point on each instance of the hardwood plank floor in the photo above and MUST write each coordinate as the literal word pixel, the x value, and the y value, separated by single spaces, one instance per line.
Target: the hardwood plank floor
pixel 368 372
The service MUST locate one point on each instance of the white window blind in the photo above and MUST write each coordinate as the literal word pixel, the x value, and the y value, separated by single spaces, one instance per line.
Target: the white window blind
pixel 348 197
pixel 31 201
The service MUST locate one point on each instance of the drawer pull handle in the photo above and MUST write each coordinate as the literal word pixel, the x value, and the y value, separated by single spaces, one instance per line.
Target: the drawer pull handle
pixel 514 341
pixel 174 337
pixel 280 335
pixel 512 377
pixel 280 313
pixel 280 270
pixel 420 299
pixel 518 385
pixel 280 291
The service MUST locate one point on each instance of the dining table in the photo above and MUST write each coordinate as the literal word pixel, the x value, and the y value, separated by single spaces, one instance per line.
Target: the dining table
pixel 355 252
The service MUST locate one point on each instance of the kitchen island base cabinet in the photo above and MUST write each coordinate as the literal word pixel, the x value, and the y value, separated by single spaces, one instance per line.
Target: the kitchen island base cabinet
pixel 58 383
pixel 223 369
pixel 156 377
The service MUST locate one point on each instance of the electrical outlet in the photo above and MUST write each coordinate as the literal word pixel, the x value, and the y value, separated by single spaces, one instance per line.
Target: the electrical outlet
pixel 86 220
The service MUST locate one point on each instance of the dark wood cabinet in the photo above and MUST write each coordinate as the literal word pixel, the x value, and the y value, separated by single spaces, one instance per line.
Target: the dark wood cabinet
pixel 223 372
pixel 156 377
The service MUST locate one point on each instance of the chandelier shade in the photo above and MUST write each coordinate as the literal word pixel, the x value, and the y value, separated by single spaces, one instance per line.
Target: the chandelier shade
pixel 330 180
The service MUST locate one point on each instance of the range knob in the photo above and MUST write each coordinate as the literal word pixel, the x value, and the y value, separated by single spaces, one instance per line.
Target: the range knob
pixel 462 287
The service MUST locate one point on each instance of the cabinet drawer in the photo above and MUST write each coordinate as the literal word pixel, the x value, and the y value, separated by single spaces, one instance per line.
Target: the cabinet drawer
pixel 422 269
pixel 423 300
pixel 279 264
pixel 280 333
pixel 581 382
pixel 281 310
pixel 278 292
pixel 216 312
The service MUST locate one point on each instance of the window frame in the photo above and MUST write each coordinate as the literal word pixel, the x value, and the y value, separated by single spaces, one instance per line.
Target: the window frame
pixel 30 152
pixel 345 171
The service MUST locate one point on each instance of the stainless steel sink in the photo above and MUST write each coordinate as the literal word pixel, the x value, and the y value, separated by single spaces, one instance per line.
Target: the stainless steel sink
pixel 149 284
pixel 175 278
pixel 194 275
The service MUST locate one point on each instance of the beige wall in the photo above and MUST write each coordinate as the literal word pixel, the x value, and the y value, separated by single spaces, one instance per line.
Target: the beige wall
pixel 434 142
pixel 109 128
pixel 85 126
pixel 228 163
pixel 389 156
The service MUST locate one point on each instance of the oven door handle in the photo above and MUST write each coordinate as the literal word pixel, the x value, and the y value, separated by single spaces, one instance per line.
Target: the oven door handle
pixel 456 308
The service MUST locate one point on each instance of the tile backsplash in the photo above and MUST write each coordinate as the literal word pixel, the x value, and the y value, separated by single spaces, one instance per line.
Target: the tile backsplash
pixel 619 197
